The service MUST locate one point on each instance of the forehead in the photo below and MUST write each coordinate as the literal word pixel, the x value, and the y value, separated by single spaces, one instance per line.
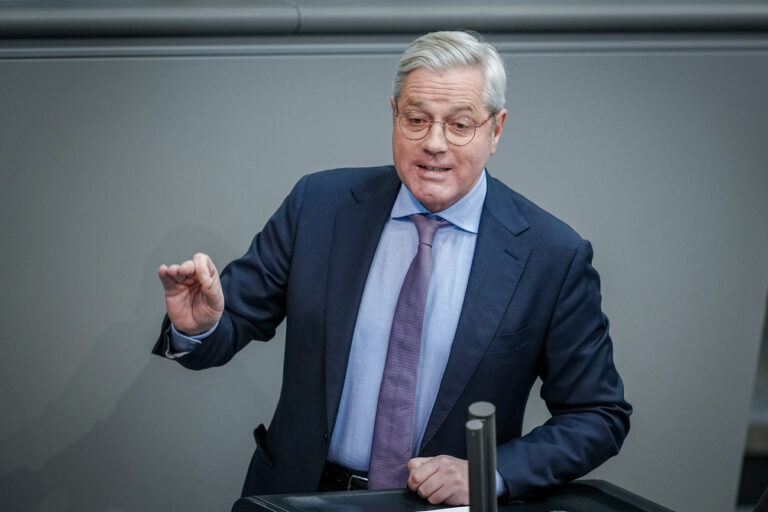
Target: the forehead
pixel 451 89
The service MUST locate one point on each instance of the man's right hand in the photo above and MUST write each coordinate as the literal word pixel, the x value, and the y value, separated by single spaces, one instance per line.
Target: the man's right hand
pixel 193 295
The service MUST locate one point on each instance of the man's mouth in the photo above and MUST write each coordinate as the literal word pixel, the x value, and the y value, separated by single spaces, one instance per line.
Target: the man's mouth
pixel 438 169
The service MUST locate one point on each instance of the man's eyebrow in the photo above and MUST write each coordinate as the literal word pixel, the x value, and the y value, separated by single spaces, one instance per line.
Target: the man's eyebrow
pixel 461 108
pixel 414 104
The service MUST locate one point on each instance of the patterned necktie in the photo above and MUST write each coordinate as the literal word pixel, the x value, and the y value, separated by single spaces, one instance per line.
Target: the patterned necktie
pixel 393 430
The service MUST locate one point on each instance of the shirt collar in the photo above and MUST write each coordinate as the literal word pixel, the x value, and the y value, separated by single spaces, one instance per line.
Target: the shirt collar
pixel 464 213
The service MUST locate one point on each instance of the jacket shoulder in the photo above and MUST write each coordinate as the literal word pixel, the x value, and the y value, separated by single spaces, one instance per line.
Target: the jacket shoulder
pixel 532 222
pixel 344 178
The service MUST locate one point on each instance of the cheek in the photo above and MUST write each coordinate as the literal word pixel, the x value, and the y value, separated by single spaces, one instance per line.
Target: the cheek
pixel 399 149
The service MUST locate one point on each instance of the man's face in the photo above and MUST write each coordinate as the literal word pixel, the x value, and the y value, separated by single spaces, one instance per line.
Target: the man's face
pixel 437 172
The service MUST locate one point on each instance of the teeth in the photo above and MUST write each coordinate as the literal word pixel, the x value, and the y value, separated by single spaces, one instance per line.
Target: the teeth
pixel 433 168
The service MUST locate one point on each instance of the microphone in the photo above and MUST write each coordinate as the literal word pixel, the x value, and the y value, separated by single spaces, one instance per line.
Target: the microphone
pixel 481 454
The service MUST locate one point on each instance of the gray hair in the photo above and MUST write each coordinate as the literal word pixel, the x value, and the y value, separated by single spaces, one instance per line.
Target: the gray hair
pixel 440 51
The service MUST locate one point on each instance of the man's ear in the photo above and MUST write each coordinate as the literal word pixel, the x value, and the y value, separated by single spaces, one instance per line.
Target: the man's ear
pixel 392 102
pixel 501 117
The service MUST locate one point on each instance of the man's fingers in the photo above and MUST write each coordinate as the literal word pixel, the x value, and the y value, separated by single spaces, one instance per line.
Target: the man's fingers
pixel 186 269
pixel 439 495
pixel 162 273
pixel 420 469
pixel 171 276
pixel 205 271
pixel 207 275
pixel 440 479
pixel 174 274
pixel 199 269
pixel 416 462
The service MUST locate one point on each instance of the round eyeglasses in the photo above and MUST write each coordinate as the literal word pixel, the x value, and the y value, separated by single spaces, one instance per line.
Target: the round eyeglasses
pixel 459 131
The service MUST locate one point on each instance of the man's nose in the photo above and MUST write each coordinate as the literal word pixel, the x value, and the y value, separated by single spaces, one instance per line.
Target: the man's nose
pixel 434 141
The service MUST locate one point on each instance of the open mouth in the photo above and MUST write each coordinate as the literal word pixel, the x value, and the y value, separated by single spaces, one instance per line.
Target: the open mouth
pixel 437 169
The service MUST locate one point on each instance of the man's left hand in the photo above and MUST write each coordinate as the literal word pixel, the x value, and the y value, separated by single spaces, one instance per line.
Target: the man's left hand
pixel 441 479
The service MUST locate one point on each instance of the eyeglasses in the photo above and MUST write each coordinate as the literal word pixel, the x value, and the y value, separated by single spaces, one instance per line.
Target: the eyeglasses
pixel 459 131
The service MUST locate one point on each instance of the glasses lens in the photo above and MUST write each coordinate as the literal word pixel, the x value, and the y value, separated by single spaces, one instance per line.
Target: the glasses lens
pixel 460 132
pixel 414 125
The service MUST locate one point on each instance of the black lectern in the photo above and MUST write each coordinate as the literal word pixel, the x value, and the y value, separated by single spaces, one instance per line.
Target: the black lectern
pixel 578 496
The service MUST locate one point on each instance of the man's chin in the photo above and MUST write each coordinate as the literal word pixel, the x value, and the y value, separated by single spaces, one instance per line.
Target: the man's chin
pixel 434 203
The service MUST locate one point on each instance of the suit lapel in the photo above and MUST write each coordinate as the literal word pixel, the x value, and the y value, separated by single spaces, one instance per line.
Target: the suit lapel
pixel 498 262
pixel 356 234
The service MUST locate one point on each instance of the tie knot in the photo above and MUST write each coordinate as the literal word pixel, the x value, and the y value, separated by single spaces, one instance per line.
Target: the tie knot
pixel 427 227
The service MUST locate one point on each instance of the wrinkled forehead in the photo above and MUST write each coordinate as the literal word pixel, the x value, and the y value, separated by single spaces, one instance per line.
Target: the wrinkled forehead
pixel 451 90
pixel 447 69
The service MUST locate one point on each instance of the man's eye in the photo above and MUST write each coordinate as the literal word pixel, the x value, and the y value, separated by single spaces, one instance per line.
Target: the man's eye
pixel 461 124
pixel 416 121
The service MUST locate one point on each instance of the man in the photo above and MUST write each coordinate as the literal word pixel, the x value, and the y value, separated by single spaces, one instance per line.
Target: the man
pixel 512 296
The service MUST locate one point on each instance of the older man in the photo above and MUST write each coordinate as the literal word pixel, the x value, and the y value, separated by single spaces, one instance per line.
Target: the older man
pixel 409 293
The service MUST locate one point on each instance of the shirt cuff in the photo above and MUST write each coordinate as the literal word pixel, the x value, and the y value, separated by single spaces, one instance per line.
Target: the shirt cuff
pixel 501 487
pixel 180 344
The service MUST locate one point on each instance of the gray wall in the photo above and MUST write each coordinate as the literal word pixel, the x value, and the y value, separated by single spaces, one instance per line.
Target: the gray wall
pixel 118 155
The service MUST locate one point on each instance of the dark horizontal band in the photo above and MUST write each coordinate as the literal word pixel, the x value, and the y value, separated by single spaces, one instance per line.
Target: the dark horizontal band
pixel 144 18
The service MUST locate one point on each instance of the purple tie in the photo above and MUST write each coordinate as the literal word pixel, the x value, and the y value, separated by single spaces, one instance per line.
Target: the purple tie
pixel 393 430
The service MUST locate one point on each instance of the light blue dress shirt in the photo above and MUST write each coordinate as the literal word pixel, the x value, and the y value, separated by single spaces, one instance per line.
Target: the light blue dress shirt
pixel 452 252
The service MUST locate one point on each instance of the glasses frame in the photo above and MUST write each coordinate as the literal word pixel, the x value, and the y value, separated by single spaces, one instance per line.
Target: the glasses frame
pixel 433 122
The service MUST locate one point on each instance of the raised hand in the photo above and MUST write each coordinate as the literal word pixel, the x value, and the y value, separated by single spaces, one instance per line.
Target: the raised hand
pixel 193 296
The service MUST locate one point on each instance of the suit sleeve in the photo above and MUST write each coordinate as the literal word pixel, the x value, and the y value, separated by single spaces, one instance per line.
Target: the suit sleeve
pixel 254 291
pixel 581 387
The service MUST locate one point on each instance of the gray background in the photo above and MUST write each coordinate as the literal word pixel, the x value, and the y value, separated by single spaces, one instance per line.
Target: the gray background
pixel 118 154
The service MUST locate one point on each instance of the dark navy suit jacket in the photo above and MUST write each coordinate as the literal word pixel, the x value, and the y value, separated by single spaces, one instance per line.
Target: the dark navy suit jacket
pixel 532 309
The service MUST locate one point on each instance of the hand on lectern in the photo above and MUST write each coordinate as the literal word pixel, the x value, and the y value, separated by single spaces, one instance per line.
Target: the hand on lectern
pixel 441 479
pixel 193 296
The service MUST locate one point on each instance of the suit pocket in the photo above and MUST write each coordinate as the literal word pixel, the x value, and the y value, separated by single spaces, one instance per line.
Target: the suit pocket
pixel 504 343
pixel 260 435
